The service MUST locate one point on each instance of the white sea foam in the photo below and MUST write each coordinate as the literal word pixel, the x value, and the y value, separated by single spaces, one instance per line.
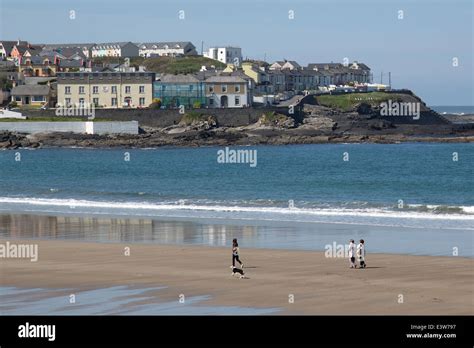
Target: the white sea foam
pixel 150 206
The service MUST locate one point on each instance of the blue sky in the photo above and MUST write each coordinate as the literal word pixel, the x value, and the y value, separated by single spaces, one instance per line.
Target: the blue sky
pixel 418 50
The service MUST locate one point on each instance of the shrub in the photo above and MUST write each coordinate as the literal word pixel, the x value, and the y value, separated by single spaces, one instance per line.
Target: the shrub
pixel 156 104
pixel 197 104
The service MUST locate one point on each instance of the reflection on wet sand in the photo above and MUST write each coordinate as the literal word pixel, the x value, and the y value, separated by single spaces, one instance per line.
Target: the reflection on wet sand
pixel 23 226
pixel 252 233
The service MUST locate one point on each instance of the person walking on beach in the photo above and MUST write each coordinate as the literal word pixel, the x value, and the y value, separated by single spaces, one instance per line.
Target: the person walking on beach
pixel 235 253
pixel 352 253
pixel 361 254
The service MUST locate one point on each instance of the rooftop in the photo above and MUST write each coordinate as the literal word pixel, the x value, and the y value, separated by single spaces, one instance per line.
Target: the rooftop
pixel 30 90
pixel 170 78
pixel 225 79
pixel 164 45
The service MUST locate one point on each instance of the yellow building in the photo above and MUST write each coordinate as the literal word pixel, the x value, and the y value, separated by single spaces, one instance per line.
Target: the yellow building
pixel 106 89
pixel 38 66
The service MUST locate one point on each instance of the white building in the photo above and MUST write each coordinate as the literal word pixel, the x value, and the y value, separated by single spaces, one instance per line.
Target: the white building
pixel 115 49
pixel 172 49
pixel 226 55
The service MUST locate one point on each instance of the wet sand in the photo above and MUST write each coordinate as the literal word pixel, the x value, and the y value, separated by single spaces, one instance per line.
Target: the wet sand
pixel 319 285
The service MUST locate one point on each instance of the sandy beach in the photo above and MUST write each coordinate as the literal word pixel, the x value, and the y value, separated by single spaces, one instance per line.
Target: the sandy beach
pixel 319 285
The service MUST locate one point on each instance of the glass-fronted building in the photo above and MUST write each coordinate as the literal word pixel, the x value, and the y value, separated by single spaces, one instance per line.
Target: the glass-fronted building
pixel 176 90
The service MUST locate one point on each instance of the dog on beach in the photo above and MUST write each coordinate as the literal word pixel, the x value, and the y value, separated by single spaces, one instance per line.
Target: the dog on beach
pixel 236 270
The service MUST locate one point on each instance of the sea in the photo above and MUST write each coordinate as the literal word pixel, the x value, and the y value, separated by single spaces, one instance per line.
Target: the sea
pixel 409 198
pixel 454 109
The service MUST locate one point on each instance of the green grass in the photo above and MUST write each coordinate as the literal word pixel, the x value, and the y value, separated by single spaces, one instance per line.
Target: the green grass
pixel 272 118
pixel 168 65
pixel 192 117
pixel 347 102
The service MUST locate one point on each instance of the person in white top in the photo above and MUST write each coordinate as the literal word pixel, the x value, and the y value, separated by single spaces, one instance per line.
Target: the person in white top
pixel 352 253
pixel 361 254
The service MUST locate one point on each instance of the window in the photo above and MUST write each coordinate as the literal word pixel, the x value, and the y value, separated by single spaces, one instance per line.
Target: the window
pixel 18 99
pixel 141 89
pixel 38 98
pixel 211 89
pixel 224 89
pixel 211 101
pixel 237 100
pixel 95 101
pixel 67 101
pixel 81 90
pixel 81 101
pixel 95 90
pixel 127 89
pixel 114 101
pixel 114 89
pixel 142 101
pixel 237 88
pixel 67 90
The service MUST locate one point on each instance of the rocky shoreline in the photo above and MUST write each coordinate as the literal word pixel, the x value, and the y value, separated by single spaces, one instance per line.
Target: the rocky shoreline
pixel 211 138
pixel 320 125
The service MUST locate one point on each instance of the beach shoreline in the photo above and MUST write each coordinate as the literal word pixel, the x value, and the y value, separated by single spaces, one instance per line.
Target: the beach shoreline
pixel 317 284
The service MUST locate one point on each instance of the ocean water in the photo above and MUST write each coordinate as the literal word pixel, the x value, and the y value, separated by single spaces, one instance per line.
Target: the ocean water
pixel 454 109
pixel 414 189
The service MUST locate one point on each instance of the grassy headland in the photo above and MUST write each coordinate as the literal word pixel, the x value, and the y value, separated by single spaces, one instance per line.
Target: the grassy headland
pixel 167 65
pixel 350 101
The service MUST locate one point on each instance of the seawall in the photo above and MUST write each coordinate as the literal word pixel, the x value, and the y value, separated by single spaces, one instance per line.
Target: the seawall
pixel 129 127
pixel 165 118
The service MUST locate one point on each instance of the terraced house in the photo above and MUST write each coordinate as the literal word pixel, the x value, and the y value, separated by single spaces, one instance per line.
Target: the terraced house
pixel 114 49
pixel 170 49
pixel 106 89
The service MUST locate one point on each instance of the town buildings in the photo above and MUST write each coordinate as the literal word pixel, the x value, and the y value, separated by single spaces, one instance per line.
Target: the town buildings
pixel 117 83
pixel 6 47
pixel 108 89
pixel 84 48
pixel 19 52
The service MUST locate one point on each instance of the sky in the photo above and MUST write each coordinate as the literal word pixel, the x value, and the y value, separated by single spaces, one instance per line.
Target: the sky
pixel 418 49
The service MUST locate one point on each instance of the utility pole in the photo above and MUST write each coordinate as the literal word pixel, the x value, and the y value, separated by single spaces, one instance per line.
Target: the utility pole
pixel 202 48
pixel 390 79
pixel 381 77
